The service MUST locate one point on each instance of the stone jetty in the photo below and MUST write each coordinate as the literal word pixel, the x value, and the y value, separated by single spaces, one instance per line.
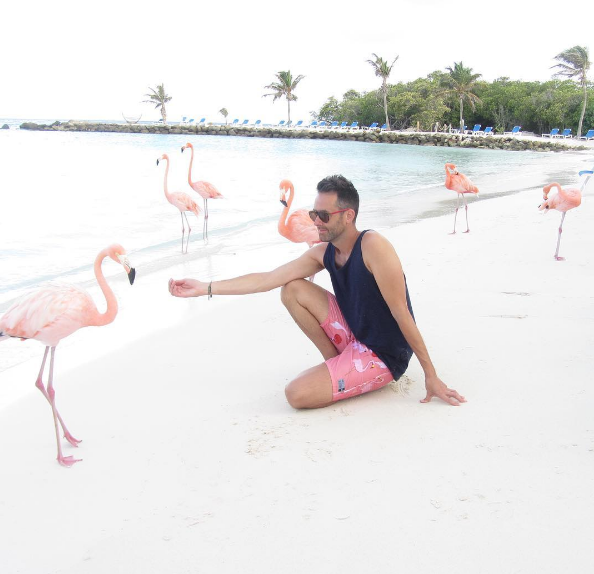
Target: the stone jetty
pixel 515 143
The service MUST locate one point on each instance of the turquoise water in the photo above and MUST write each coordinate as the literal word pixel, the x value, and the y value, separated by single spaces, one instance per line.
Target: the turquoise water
pixel 64 196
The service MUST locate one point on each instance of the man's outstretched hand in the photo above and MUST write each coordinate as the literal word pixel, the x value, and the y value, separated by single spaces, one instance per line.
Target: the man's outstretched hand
pixel 187 287
pixel 437 388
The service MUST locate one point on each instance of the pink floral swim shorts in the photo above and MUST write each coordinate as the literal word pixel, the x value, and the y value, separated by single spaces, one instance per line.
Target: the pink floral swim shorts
pixel 357 369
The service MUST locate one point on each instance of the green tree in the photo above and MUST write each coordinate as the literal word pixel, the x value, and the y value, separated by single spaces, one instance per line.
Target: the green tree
pixel 284 87
pixel 159 98
pixel 575 63
pixel 460 83
pixel 224 113
pixel 382 70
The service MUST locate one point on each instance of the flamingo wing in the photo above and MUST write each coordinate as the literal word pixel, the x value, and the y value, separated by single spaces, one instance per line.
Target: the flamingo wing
pixel 184 202
pixel 206 190
pixel 49 314
pixel 301 229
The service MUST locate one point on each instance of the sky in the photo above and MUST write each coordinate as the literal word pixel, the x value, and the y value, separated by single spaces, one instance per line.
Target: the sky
pixel 83 60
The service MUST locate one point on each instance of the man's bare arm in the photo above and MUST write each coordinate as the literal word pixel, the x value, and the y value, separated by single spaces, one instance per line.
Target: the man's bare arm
pixel 308 264
pixel 382 260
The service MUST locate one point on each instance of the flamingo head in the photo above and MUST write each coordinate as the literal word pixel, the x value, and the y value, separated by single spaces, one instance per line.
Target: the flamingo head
pixel 118 254
pixel 163 157
pixel 547 203
pixel 188 145
pixel 285 187
pixel 451 168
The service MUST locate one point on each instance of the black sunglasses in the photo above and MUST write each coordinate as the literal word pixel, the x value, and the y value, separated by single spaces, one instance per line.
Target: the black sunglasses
pixel 324 215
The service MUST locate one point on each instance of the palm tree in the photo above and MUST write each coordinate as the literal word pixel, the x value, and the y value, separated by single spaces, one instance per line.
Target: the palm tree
pixel 460 83
pixel 224 113
pixel 159 98
pixel 383 70
pixel 575 63
pixel 284 87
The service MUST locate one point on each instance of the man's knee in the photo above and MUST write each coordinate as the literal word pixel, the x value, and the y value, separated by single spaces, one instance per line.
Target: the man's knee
pixel 290 291
pixel 297 397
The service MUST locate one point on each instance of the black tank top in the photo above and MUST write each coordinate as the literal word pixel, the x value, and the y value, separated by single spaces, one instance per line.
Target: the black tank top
pixel 366 311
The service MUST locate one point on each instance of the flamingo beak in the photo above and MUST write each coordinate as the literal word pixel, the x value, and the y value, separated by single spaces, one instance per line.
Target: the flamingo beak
pixel 128 267
pixel 284 202
pixel 183 148
pixel 157 162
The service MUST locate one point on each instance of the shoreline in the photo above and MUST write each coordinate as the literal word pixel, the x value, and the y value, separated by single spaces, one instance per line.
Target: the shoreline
pixel 500 142
pixel 193 457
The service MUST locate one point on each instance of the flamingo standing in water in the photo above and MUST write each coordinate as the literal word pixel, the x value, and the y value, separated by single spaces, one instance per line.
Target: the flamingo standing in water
pixel 203 189
pixel 563 201
pixel 54 312
pixel 182 201
pixel 297 227
pixel 459 183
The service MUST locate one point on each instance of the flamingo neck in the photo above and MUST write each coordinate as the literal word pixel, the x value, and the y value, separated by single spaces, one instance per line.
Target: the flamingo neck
pixel 112 304
pixel 282 222
pixel 190 168
pixel 167 194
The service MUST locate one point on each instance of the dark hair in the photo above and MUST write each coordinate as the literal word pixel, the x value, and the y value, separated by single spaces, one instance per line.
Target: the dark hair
pixel 347 195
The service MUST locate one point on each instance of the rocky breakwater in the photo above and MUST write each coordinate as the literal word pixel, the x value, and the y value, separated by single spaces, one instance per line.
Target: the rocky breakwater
pixel 370 136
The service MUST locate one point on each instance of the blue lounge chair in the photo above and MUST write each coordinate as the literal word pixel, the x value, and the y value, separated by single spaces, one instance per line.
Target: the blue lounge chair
pixel 244 123
pixel 313 124
pixel 489 130
pixel 322 124
pixel 476 129
pixel 353 126
pixel 183 121
pixel 553 133
pixel 257 123
pixel 343 126
pixel 333 125
pixel 588 136
pixel 298 124
pixel 235 122
pixel 457 130
pixel 566 133
pixel 281 124
pixel 373 126
pixel 384 128
pixel 191 121
pixel 515 131
pixel 201 122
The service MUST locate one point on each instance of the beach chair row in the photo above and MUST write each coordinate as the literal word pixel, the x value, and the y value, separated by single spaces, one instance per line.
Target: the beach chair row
pixel 566 133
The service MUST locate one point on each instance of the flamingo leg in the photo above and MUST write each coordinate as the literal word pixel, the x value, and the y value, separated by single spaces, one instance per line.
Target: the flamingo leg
pixel 466 209
pixel 205 227
pixel 63 460
pixel 39 384
pixel 559 239
pixel 456 213
pixel 183 230
pixel 189 230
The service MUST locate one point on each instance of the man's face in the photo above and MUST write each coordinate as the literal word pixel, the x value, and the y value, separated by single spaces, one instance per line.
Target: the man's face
pixel 336 225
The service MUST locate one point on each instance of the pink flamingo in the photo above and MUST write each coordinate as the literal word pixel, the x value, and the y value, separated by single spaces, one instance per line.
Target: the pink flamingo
pixel 54 312
pixel 297 227
pixel 459 183
pixel 203 189
pixel 182 201
pixel 563 201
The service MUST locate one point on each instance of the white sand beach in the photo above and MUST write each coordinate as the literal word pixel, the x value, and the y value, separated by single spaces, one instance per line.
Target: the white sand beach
pixel 193 462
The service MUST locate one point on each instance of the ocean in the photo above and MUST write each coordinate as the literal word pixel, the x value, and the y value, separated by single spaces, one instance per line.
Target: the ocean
pixel 66 195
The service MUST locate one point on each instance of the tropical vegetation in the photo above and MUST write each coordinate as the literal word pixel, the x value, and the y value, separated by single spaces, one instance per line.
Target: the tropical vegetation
pixel 224 113
pixel 575 63
pixel 159 98
pixel 443 98
pixel 383 70
pixel 284 87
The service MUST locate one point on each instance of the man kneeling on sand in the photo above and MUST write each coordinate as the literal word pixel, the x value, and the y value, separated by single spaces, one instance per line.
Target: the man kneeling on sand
pixel 366 331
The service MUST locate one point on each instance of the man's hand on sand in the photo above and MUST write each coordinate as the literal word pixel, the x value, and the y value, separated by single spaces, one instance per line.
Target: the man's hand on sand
pixel 187 287
pixel 437 388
